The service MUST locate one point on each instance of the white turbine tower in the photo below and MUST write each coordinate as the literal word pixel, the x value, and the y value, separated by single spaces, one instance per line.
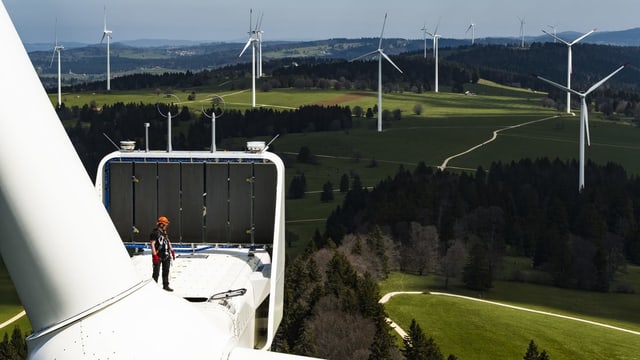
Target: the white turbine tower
pixel 57 49
pixel 107 34
pixel 381 55
pixel 584 117
pixel 472 27
pixel 435 37
pixel 251 42
pixel 569 61
pixel 521 31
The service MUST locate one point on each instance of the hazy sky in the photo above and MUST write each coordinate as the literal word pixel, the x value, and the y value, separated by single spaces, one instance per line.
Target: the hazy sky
pixel 217 20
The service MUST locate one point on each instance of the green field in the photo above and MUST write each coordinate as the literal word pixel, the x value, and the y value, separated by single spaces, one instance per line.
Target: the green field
pixel 450 124
pixel 468 328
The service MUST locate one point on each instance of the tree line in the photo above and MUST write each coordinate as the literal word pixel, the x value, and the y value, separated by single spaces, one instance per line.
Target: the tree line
pixel 462 225
pixel 126 122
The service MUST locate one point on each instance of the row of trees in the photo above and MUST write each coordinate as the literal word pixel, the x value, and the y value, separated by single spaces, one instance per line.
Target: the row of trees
pixel 462 225
pixel 126 122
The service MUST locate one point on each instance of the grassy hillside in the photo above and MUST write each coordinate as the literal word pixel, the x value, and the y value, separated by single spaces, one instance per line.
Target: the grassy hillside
pixel 468 328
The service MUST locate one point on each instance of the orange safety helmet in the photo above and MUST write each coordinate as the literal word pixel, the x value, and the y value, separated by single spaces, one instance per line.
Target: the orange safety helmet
pixel 163 220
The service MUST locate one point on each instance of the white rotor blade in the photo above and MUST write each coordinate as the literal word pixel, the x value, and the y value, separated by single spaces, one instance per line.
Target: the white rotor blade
pixel 603 80
pixel 246 46
pixel 103 35
pixel 389 60
pixel 559 86
pixel 557 38
pixel 382 32
pixel 53 55
pixel 259 23
pixel 582 37
pixel 365 55
pixel 435 32
pixel 584 112
pixel 469 28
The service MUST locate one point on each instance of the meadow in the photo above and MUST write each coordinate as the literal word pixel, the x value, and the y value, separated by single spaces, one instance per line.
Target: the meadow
pixel 449 124
pixel 468 328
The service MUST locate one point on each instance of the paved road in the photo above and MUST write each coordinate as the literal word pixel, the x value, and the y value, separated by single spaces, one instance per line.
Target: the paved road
pixel 402 333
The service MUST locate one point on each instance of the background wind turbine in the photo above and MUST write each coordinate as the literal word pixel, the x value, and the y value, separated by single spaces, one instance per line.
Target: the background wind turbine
pixel 569 62
pixel 472 27
pixel 584 117
pixel 252 42
pixel 555 38
pixel 57 49
pixel 435 37
pixel 381 55
pixel 107 34
pixel 521 31
pixel 424 34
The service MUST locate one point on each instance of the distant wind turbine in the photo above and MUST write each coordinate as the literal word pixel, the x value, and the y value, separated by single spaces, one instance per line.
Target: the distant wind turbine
pixel 584 117
pixel 107 34
pixel 555 38
pixel 381 55
pixel 435 37
pixel 569 62
pixel 424 34
pixel 521 31
pixel 253 39
pixel 57 49
pixel 472 27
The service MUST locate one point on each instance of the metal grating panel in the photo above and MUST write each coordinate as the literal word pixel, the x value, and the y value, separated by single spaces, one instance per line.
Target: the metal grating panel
pixel 192 201
pixel 216 201
pixel 120 202
pixel 145 198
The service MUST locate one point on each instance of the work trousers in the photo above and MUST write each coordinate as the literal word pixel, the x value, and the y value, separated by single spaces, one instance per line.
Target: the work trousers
pixel 165 263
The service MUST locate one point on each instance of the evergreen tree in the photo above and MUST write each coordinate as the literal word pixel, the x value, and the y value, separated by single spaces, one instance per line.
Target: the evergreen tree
pixel 383 342
pixel 418 347
pixel 533 354
pixel 297 187
pixel 344 183
pixel 477 274
pixel 532 351
pixel 327 192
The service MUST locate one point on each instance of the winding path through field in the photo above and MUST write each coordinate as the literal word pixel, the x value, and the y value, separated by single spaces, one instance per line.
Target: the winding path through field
pixel 402 333
pixel 13 319
pixel 495 136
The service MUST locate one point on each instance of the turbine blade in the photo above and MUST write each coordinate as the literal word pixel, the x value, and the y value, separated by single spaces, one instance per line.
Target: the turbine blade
pixel 557 38
pixel 469 28
pixel 105 18
pixel 584 112
pixel 53 56
pixel 103 35
pixel 259 24
pixel 562 87
pixel 246 46
pixel 389 60
pixel 435 32
pixel 365 55
pixel 595 86
pixel 583 36
pixel 382 32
